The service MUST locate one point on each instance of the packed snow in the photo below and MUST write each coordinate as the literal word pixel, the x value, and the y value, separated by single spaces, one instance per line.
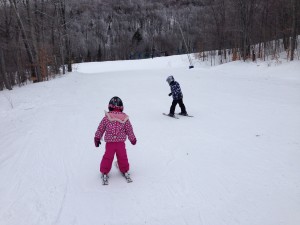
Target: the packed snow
pixel 236 162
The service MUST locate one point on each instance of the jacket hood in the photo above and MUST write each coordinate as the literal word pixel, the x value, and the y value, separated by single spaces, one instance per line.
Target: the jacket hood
pixel 117 116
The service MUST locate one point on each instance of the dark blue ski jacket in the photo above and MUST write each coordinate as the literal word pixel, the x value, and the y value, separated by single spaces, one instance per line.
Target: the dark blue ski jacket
pixel 176 90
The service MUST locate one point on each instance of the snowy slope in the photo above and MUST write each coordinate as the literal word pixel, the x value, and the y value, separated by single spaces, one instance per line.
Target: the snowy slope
pixel 237 162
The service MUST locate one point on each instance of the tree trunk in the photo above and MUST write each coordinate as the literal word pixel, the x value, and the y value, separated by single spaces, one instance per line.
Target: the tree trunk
pixel 66 36
pixel 30 51
pixel 1 71
pixel 246 10
pixel 294 28
pixel 3 77
pixel 36 35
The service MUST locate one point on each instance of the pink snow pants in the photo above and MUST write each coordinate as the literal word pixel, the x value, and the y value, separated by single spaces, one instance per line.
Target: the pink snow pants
pixel 112 148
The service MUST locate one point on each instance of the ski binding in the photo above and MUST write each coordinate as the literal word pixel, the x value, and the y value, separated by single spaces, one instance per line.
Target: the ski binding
pixel 125 175
pixel 104 178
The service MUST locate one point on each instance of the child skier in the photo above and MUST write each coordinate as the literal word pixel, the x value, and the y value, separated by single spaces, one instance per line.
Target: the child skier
pixel 117 127
pixel 177 97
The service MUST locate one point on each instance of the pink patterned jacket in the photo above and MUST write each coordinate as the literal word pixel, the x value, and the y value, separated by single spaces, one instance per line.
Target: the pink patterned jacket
pixel 116 126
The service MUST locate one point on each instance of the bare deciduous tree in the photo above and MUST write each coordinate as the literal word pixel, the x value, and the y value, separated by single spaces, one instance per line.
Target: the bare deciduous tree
pixel 39 37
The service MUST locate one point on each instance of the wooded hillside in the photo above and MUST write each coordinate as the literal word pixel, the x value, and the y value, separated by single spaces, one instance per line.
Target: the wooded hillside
pixel 38 37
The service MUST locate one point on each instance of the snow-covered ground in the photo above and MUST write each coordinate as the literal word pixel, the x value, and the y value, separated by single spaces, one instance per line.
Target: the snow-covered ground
pixel 237 162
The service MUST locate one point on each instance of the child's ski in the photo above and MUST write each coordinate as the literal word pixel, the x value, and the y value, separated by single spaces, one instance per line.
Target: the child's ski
pixel 175 117
pixel 125 175
pixel 104 178
pixel 187 115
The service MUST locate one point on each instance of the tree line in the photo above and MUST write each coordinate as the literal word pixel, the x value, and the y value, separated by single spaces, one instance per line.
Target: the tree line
pixel 42 38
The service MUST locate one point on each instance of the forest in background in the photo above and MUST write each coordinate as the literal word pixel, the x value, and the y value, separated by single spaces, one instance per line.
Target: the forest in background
pixel 42 38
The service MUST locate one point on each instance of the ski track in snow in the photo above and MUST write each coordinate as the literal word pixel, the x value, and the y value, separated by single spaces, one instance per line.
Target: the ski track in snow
pixel 235 162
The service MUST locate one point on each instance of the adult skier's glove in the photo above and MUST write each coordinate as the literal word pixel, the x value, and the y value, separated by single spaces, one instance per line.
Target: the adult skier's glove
pixel 97 142
pixel 133 142
pixel 170 94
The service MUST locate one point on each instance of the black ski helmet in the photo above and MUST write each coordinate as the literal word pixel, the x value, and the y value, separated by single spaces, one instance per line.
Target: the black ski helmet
pixel 115 104
pixel 170 79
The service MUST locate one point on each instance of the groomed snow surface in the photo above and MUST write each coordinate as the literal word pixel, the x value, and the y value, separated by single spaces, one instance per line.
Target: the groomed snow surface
pixel 237 162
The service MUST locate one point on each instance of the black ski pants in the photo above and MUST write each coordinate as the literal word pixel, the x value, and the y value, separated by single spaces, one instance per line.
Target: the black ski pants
pixel 181 105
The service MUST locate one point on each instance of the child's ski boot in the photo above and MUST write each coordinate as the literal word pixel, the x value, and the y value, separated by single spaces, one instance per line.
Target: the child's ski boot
pixel 104 178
